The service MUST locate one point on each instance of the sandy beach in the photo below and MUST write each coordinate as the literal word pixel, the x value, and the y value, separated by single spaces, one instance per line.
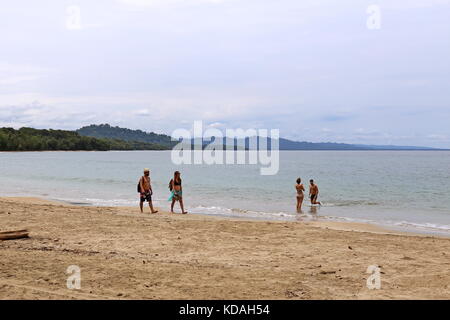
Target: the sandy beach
pixel 124 254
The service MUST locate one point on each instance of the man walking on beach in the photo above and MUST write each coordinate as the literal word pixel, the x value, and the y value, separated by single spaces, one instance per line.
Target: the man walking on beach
pixel 145 190
pixel 314 192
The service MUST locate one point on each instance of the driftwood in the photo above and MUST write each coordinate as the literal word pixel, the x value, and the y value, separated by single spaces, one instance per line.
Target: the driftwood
pixel 17 234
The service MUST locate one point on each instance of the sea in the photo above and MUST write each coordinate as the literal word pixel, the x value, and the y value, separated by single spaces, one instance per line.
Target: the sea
pixel 402 190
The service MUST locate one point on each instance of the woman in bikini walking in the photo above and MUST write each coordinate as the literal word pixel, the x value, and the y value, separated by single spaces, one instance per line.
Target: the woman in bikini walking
pixel 177 192
pixel 300 196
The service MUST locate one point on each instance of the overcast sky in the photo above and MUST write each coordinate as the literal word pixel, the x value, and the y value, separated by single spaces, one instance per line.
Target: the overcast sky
pixel 318 70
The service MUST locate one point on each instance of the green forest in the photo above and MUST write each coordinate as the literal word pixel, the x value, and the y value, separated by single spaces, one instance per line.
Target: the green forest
pixel 110 132
pixel 29 139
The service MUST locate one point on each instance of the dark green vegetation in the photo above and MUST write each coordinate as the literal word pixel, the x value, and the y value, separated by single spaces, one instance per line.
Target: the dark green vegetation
pixel 107 131
pixel 105 137
pixel 29 139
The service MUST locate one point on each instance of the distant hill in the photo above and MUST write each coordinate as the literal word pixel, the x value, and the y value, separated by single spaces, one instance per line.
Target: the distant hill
pixel 390 147
pixel 107 131
pixel 286 144
pixel 29 139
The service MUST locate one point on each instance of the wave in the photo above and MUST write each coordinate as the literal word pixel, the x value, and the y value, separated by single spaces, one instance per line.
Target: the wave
pixel 306 216
pixel 425 226
pixel 350 203
pixel 237 212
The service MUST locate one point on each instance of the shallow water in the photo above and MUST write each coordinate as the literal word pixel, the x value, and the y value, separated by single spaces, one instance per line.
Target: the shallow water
pixel 395 188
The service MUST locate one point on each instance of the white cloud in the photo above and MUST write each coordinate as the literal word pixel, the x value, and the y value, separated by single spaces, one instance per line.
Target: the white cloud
pixel 388 4
pixel 11 80
pixel 216 125
pixel 40 115
pixel 142 112
pixel 438 137
pixel 13 74
pixel 165 3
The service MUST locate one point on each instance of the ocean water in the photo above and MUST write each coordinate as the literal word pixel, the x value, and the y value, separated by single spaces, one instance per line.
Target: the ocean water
pixel 401 189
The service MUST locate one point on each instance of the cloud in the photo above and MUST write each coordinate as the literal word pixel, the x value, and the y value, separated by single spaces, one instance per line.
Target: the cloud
pixel 412 4
pixel 438 137
pixel 12 80
pixel 39 115
pixel 166 3
pixel 365 133
pixel 338 117
pixel 15 74
pixel 142 112
pixel 216 125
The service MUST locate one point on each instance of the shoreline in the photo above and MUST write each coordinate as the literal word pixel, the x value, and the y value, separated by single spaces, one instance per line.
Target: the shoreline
pixel 332 222
pixel 335 225
pixel 346 226
pixel 328 221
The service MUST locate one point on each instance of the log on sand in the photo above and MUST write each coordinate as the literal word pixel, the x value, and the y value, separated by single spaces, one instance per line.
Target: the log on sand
pixel 11 235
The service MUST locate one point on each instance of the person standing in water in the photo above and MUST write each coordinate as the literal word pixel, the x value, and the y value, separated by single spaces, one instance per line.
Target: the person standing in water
pixel 146 192
pixel 177 192
pixel 300 196
pixel 314 192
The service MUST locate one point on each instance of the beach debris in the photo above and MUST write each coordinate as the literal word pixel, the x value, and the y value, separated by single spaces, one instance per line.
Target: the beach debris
pixel 293 293
pixel 350 247
pixel 12 235
pixel 327 272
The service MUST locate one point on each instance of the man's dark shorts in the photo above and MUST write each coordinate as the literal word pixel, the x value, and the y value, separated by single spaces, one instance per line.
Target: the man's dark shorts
pixel 314 197
pixel 146 197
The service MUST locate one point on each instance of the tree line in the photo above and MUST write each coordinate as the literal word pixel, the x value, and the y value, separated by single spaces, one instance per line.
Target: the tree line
pixel 109 132
pixel 30 139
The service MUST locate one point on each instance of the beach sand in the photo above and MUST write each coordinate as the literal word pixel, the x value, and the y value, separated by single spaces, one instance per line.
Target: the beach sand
pixel 124 254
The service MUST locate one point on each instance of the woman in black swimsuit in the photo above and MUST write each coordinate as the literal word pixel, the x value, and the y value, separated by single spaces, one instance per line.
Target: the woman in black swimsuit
pixel 177 192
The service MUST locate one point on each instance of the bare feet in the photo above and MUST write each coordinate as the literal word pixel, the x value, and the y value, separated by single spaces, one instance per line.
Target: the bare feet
pixel 156 211
pixel 185 212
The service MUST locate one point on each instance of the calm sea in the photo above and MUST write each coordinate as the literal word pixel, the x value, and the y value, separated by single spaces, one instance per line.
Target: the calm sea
pixel 401 189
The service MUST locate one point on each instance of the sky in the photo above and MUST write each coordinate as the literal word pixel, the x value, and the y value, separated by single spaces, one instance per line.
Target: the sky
pixel 352 71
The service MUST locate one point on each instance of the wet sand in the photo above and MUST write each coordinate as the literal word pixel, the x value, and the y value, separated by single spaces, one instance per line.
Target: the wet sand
pixel 124 254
